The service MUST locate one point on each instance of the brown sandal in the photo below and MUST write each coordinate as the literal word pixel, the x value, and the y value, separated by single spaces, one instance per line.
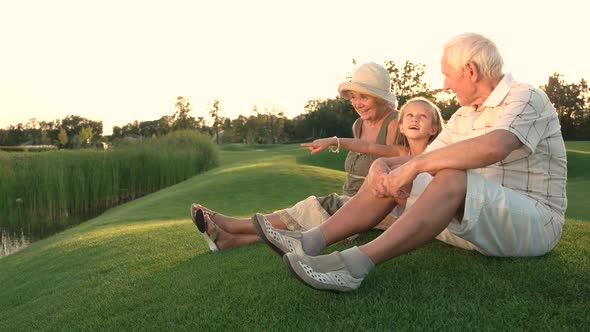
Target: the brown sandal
pixel 198 217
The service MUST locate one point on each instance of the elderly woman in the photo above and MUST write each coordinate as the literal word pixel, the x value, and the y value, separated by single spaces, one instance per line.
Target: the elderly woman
pixel 374 132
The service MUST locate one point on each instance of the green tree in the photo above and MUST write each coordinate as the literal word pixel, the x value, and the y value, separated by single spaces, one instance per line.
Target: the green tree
pixel 74 124
pixel 407 81
pixel 328 117
pixel 182 117
pixel 272 124
pixel 239 129
pixel 447 102
pixel 62 137
pixel 86 135
pixel 571 103
pixel 217 120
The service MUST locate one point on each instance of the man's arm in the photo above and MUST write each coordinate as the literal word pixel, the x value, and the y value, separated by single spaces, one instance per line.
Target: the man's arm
pixel 472 153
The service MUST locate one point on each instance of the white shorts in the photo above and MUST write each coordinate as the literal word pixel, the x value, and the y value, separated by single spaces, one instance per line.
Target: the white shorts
pixel 498 221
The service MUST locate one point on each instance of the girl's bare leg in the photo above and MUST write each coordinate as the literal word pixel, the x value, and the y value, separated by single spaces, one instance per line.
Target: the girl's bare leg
pixel 362 212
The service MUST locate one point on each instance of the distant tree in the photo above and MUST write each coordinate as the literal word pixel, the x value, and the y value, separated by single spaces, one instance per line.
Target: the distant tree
pixel 239 129
pixel 228 131
pixel 86 135
pixel 17 134
pixel 3 137
pixel 571 103
pixel 117 132
pixel 294 129
pixel 254 128
pixel 73 124
pixel 217 120
pixel 407 81
pixel 45 140
pixel 329 117
pixel 272 123
pixel 182 117
pixel 165 125
pixel 49 131
pixel 62 137
pixel 447 102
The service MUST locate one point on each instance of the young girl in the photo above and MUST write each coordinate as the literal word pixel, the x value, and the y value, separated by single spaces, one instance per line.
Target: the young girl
pixel 419 123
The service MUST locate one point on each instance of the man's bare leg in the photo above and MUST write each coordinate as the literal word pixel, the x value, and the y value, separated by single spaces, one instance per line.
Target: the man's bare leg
pixel 442 200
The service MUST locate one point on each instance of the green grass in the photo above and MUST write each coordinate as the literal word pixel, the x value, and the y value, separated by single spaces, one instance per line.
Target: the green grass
pixel 578 179
pixel 578 145
pixel 141 266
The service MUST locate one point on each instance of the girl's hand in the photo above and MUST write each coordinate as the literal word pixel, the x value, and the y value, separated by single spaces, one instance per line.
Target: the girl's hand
pixel 319 144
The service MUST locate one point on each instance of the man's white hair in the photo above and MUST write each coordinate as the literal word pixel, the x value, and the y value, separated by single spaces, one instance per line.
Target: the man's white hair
pixel 475 48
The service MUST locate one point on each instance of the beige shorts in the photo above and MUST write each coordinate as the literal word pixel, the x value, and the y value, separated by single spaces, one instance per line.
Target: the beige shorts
pixel 498 221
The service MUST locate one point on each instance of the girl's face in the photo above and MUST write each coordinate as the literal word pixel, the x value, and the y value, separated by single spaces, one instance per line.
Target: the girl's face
pixel 418 122
pixel 368 107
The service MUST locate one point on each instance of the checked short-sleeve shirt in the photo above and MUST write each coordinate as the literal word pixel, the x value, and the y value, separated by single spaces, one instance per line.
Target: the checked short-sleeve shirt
pixel 538 169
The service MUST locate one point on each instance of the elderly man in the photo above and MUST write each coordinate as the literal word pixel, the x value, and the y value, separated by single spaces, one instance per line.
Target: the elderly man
pixel 493 181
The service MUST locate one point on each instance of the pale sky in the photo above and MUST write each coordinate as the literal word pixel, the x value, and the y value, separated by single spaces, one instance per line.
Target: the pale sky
pixel 118 61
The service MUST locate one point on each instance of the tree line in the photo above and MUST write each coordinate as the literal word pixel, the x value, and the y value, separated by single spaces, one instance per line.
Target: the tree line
pixel 321 117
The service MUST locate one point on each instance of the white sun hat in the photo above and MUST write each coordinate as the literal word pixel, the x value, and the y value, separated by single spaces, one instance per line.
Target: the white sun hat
pixel 370 79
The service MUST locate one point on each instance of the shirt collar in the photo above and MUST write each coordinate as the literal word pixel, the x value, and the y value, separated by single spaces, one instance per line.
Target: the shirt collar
pixel 500 92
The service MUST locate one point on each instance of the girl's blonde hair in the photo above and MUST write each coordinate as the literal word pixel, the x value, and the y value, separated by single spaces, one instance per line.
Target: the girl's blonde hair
pixel 400 138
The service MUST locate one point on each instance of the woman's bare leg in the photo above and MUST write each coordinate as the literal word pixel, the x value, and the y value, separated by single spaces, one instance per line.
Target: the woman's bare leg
pixel 227 240
pixel 241 225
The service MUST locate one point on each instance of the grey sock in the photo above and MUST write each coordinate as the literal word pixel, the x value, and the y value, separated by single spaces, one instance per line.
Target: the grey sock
pixel 357 262
pixel 313 241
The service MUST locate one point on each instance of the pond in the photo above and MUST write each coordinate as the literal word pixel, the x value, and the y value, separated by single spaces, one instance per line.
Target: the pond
pixel 12 242
pixel 17 232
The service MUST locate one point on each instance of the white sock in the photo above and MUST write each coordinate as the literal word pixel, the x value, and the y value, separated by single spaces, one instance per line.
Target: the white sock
pixel 313 241
pixel 357 261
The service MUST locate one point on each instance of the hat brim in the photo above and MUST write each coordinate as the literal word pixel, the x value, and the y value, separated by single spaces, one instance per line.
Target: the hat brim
pixel 346 87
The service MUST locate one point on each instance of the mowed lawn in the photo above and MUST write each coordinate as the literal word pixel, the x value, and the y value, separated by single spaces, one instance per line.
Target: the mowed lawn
pixel 142 266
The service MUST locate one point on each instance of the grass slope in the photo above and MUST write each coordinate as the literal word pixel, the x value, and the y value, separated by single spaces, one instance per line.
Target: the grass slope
pixel 141 266
pixel 578 179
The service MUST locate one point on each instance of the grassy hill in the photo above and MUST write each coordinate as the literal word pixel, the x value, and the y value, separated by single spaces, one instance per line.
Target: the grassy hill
pixel 141 266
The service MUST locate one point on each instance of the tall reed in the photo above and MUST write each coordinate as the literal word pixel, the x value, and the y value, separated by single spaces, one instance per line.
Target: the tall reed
pixel 43 191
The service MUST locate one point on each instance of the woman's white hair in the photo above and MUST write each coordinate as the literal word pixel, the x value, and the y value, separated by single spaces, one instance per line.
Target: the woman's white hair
pixel 472 47
pixel 391 105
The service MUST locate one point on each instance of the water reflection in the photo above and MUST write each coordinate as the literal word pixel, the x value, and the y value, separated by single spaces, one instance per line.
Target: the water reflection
pixel 17 233
pixel 12 242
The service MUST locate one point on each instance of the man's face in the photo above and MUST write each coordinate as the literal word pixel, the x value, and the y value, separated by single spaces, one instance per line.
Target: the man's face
pixel 458 81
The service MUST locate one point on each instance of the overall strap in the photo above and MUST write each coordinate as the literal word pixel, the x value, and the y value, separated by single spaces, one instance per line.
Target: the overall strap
pixel 382 137
pixel 356 128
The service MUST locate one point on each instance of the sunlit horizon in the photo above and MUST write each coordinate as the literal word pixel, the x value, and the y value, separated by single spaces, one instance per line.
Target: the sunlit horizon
pixel 121 61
